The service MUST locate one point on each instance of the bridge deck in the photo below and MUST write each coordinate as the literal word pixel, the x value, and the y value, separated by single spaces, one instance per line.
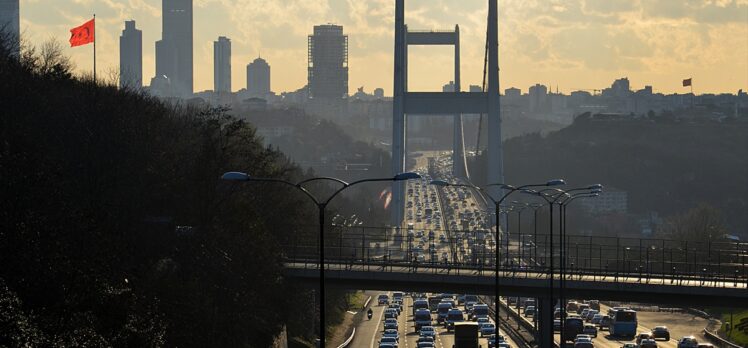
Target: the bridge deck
pixel 663 289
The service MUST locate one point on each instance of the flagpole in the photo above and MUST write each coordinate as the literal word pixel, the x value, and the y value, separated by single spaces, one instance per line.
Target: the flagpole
pixel 94 49
pixel 692 95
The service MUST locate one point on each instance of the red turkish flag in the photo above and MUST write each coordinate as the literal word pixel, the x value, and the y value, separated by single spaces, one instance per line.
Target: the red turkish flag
pixel 83 35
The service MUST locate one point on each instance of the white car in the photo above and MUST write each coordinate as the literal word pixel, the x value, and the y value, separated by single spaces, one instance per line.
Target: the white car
pixel 688 342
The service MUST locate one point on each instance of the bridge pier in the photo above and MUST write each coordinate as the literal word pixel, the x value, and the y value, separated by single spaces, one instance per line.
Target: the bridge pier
pixel 545 322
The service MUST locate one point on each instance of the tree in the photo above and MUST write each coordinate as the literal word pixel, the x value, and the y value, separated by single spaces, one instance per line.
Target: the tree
pixel 703 223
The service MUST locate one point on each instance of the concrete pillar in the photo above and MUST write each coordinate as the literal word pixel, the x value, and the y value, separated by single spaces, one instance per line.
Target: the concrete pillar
pixel 459 163
pixel 545 322
pixel 398 116
pixel 495 160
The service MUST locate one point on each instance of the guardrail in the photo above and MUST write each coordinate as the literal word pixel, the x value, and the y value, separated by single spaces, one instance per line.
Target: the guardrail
pixel 349 340
pixel 719 341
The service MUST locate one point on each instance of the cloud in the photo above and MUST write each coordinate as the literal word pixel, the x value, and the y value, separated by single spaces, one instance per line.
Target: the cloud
pixel 588 42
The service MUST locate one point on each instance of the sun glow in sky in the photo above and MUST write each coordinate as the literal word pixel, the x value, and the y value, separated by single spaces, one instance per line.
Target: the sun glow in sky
pixel 567 44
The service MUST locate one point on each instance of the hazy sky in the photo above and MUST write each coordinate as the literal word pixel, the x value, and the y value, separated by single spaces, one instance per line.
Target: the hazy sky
pixel 572 44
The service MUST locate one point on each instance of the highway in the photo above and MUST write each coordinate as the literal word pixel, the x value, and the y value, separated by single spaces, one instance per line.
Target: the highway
pixel 458 209
pixel 369 332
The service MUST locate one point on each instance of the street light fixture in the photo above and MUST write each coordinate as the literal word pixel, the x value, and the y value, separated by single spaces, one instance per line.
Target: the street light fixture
pixel 553 198
pixel 497 207
pixel 321 207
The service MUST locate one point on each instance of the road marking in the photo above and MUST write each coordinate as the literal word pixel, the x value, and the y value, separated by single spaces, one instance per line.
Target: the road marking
pixel 352 313
pixel 376 330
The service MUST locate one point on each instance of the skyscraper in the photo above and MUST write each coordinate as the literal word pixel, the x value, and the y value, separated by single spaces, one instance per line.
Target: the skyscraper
pixel 328 63
pixel 9 24
pixel 222 65
pixel 131 57
pixel 174 50
pixel 258 78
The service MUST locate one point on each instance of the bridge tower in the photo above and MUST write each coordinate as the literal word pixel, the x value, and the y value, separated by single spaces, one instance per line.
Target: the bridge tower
pixel 454 103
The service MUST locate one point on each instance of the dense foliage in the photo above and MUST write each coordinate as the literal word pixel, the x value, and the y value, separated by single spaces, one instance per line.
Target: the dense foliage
pixel 95 183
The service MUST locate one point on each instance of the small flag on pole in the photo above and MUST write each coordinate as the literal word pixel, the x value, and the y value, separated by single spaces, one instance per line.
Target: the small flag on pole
pixel 83 34
pixel 687 82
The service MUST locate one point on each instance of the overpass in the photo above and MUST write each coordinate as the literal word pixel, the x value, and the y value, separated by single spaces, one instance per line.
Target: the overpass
pixel 709 290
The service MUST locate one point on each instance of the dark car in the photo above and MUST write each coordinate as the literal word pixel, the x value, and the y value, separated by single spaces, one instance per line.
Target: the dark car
pixel 661 332
pixel 604 322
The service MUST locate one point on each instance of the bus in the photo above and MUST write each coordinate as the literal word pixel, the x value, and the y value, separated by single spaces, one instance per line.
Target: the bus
pixel 623 323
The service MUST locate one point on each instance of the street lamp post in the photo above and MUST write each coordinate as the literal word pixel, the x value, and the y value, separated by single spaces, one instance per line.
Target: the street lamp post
pixel 497 207
pixel 557 197
pixel 321 207
pixel 595 190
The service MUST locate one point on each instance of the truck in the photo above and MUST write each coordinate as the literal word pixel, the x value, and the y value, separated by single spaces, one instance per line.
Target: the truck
pixel 466 335
pixel 434 302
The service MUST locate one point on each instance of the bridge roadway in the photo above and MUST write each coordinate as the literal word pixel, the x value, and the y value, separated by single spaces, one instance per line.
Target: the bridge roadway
pixel 525 283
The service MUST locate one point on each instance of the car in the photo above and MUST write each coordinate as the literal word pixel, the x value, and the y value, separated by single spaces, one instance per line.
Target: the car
pixel 383 299
pixel 596 318
pixel 391 333
pixel 590 329
pixel 643 336
pixel 390 313
pixel 425 339
pixel 426 345
pixel 487 329
pixel 688 342
pixel 583 341
pixel 389 340
pixel 530 311
pixel 453 316
pixel 428 331
pixel 584 312
pixel 648 343
pixel 590 314
pixel 661 332
pixel 604 322
pixel 386 345
pixel 556 324
pixel 395 306
pixel 629 345
pixel 482 320
pixel 390 324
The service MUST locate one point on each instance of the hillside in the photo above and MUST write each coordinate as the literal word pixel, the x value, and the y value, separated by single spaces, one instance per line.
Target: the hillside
pixel 665 166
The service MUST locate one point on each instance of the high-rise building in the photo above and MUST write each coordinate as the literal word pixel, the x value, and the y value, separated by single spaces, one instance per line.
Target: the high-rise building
pixel 258 78
pixel 328 63
pixel 174 50
pixel 222 65
pixel 131 57
pixel 9 24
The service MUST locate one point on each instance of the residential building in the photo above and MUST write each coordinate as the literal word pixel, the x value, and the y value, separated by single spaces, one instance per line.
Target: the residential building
pixel 131 57
pixel 10 24
pixel 258 78
pixel 328 63
pixel 222 65
pixel 174 54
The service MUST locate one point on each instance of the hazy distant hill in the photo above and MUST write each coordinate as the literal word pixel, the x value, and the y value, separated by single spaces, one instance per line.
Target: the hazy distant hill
pixel 665 166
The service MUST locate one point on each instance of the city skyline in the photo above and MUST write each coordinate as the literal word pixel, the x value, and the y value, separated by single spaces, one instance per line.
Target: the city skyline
pixel 652 43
